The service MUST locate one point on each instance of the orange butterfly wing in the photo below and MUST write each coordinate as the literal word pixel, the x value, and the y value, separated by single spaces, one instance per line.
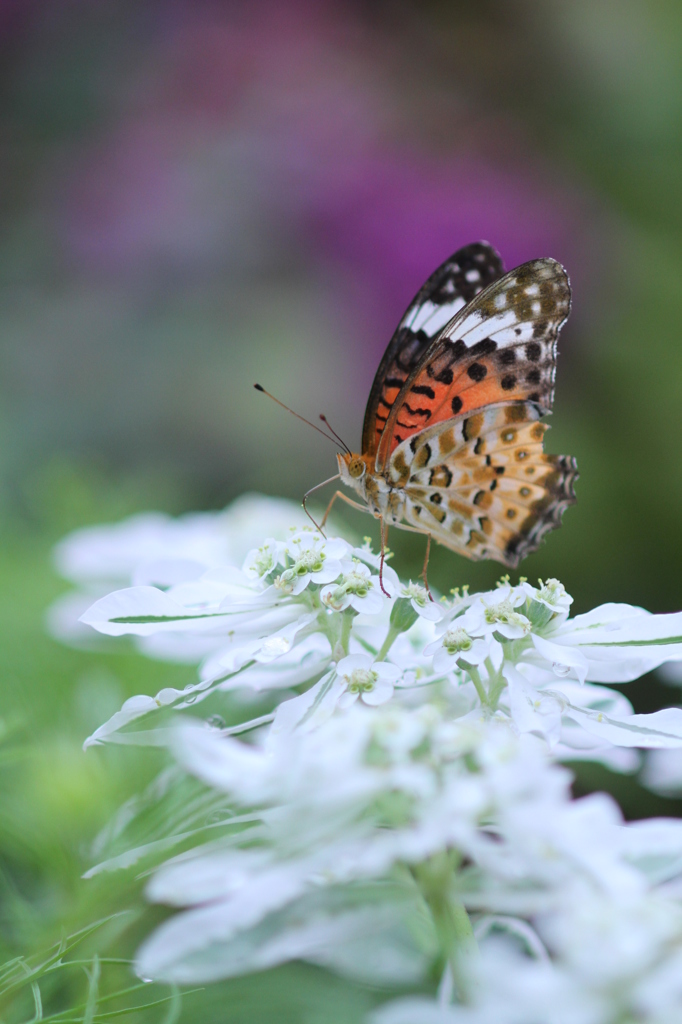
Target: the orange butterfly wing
pixel 500 347
pixel 448 290
pixel 481 485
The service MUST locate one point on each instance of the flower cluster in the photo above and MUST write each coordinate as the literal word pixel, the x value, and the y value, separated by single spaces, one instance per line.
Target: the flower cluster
pixel 400 807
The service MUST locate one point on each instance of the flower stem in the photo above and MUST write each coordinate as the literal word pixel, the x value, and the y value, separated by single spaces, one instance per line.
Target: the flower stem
pixel 496 684
pixel 451 921
pixel 346 626
pixel 475 677
pixel 391 637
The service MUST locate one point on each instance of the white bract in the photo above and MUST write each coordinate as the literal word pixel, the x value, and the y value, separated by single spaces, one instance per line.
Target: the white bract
pixel 396 806
pixel 371 681
pixel 153 549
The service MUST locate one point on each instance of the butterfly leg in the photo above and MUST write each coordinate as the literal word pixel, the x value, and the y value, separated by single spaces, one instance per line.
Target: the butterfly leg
pixel 317 488
pixel 348 501
pixel 412 529
pixel 426 565
pixel 384 538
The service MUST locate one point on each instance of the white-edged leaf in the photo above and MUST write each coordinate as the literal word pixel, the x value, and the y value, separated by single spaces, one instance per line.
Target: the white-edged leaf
pixel 145 610
pixel 311 708
pixel 622 642
pixel 658 730
pixel 141 705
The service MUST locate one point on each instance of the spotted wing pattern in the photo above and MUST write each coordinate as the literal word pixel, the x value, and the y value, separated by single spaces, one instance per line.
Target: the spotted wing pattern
pixel 482 486
pixel 500 347
pixel 455 283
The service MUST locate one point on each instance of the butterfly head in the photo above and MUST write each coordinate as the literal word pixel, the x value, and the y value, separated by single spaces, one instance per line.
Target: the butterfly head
pixel 352 469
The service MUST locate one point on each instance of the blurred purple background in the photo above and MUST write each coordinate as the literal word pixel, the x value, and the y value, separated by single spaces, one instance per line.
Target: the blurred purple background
pixel 216 191
pixel 200 195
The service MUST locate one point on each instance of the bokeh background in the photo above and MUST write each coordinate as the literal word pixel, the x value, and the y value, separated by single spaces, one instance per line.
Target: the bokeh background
pixel 197 195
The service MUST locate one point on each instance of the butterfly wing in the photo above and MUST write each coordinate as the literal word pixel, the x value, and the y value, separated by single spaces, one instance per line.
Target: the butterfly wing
pixel 501 346
pixel 455 283
pixel 481 485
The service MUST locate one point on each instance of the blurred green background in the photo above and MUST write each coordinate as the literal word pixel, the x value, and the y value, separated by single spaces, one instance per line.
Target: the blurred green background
pixel 196 195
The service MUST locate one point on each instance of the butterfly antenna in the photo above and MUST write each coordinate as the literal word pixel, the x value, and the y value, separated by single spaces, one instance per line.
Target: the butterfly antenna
pixel 298 417
pixel 330 427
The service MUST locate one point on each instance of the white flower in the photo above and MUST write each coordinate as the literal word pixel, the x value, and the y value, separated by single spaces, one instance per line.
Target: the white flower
pixel 370 804
pixel 310 559
pixel 456 648
pixel 421 601
pixel 356 589
pixel 264 560
pixel 548 602
pixel 495 614
pixel 364 791
pixel 372 682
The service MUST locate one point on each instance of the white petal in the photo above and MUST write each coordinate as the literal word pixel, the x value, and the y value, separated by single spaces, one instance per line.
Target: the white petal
pixel 346 699
pixel 371 604
pixel 336 548
pixel 442 661
pixel 381 693
pixel 387 672
pixel 330 571
pixel 509 631
pixel 429 611
pixel 477 653
pixel 496 654
pixel 352 661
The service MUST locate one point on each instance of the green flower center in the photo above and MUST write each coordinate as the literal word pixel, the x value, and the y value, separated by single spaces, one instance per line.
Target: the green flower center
pixel 551 591
pixel 457 640
pixel 505 613
pixel 356 583
pixel 264 562
pixel 352 583
pixel 415 592
pixel 309 561
pixel 361 680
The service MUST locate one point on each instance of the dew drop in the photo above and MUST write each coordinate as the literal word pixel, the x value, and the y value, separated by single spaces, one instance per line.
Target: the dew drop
pixel 561 670
pixel 275 646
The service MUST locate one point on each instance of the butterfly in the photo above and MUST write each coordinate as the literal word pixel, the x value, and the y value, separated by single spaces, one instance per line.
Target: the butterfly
pixel 452 436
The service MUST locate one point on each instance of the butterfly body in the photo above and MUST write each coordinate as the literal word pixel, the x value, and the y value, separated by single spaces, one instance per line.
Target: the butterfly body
pixel 384 498
pixel 452 439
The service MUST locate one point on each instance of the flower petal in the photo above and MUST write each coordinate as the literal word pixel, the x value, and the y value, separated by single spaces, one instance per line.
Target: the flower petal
pixel 381 693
